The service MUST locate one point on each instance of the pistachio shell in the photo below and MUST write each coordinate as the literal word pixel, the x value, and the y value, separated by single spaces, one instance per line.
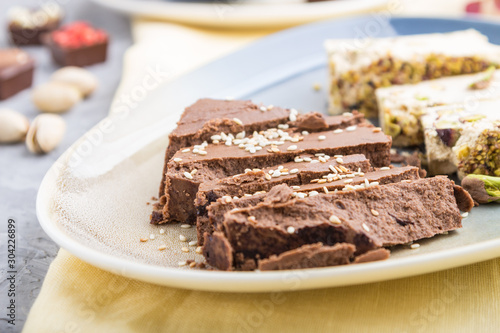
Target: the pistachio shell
pixel 81 78
pixel 13 126
pixel 45 133
pixel 56 97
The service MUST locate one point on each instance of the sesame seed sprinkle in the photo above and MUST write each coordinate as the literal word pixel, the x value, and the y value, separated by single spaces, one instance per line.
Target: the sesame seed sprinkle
pixel 295 187
pixel 339 160
pixel 385 168
pixel 414 246
pixel 293 171
pixel 321 137
pixel 143 240
pixel 337 131
pixel 182 238
pixel 182 263
pixel 376 129
pixel 162 247
pixel 162 231
pixel 185 249
pixel 187 150
pixel 238 121
pixel 185 226
pixel 188 175
pixel 263 109
pixel 177 159
pixel 305 133
pixel 151 236
pixel 348 181
pixel 325 190
pixel 199 250
pixel 365 227
pixel 465 214
pixel 193 243
pixel 334 219
pixel 292 147
pixel 267 176
pixel 313 193
pixel 374 212
pixel 290 230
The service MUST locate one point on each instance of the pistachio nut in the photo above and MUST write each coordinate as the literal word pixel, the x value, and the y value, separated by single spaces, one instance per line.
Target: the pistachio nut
pixel 13 126
pixel 45 133
pixel 81 78
pixel 56 97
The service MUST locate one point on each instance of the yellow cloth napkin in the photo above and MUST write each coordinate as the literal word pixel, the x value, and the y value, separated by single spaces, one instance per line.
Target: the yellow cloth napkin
pixel 77 297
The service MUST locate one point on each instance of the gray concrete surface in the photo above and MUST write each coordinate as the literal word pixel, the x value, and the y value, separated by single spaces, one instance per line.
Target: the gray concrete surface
pixel 21 172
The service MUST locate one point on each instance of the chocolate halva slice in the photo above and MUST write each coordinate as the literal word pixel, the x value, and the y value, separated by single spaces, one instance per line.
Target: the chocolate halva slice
pixel 368 218
pixel 198 164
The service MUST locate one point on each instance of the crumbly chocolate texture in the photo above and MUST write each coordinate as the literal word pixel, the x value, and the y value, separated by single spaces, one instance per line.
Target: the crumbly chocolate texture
pixel 291 173
pixel 369 218
pixel 214 216
pixel 208 117
pixel 221 160
pixel 310 256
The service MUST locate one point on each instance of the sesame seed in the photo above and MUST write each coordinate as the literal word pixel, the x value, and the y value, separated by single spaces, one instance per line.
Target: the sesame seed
pixel 307 159
pixel 263 109
pixel 292 147
pixel 290 230
pixel 292 117
pixel 275 150
pixel 293 171
pixel 314 180
pixel 314 161
pixel 339 160
pixel 373 183
pixel 276 174
pixel 188 175
pixel 367 183
pixel 465 214
pixel 267 176
pixel 187 150
pixel 337 131
pixel 199 250
pixel 252 219
pixel 194 171
pixel 321 137
pixel 334 219
pixel 374 212
pixel 185 226
pixel 236 120
pixel 365 227
pixel 177 159
pixel 331 167
pixel 193 243
pixel 185 249
pixel 347 114
pixel 301 195
pixel 295 187
pixel 202 152
pixel 321 181
pixel 414 246
pixel 376 129
pixel 317 86
pixel 351 128
pixel 350 175
pixel 162 247
pixel 162 231
pixel 182 238
pixel 313 193
pixel 270 107
pixel 143 240
pixel 305 133
pixel 193 264
pixel 385 168
pixel 325 190
pixel 182 263
pixel 240 135
pixel 298 160
pixel 348 181
pixel 151 236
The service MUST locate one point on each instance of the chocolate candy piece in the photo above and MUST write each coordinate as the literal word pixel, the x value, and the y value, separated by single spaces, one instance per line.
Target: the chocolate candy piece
pixel 16 72
pixel 27 26
pixel 78 44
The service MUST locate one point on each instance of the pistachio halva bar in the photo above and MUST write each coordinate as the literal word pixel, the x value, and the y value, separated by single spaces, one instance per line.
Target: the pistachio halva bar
pixel 356 71
pixel 368 218
pixel 192 166
pixel 463 138
pixel 333 181
pixel 401 107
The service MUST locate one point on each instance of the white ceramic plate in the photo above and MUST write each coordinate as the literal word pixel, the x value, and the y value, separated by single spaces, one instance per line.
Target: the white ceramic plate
pixel 93 201
pixel 250 13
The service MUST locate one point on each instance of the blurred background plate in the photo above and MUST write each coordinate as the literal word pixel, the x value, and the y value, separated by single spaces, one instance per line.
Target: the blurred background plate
pixel 249 13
